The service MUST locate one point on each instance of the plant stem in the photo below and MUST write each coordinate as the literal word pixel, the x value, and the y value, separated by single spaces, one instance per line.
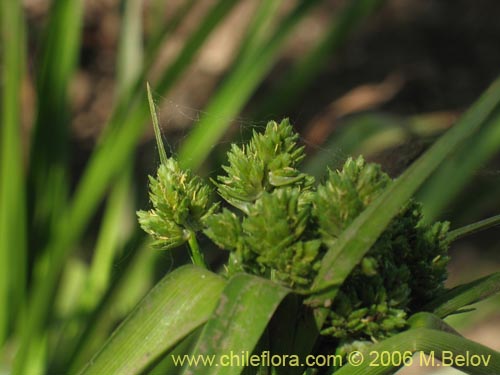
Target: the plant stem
pixel 473 228
pixel 195 253
pixel 12 183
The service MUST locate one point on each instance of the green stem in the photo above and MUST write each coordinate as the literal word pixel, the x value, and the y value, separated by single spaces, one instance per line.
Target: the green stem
pixel 473 228
pixel 12 183
pixel 195 253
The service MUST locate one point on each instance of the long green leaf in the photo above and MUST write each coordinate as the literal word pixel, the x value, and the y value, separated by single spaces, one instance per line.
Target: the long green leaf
pixel 464 295
pixel 444 185
pixel 175 307
pixel 129 67
pixel 47 178
pixel 167 364
pixel 235 91
pixel 164 29
pixel 243 313
pixel 111 233
pixel 474 228
pixel 343 24
pixel 48 165
pixel 130 51
pixel 293 330
pixel 428 320
pixel 357 239
pixel 107 161
pixel 441 345
pixel 132 268
pixel 369 134
pixel 12 189
pixel 257 30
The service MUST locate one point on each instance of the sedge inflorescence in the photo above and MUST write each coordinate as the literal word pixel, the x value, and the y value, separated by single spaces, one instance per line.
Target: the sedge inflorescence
pixel 278 222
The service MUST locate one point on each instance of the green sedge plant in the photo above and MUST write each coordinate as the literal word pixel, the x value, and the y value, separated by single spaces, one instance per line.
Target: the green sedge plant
pixel 57 308
pixel 310 269
pixel 62 295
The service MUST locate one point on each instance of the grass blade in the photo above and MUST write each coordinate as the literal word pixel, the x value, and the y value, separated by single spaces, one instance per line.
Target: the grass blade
pixel 464 295
pixel 428 341
pixel 167 364
pixel 257 30
pixel 130 51
pixel 357 239
pixel 369 134
pixel 132 268
pixel 108 242
pixel 164 29
pixel 311 64
pixel 13 261
pixel 175 307
pixel 459 168
pixel 350 138
pixel 245 308
pixel 235 91
pixel 292 331
pixel 156 127
pixel 129 66
pixel 474 228
pixel 106 162
pixel 48 165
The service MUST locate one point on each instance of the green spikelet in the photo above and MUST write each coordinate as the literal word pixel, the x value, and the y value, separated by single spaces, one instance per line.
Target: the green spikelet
pixel 180 202
pixel 403 269
pixel 268 161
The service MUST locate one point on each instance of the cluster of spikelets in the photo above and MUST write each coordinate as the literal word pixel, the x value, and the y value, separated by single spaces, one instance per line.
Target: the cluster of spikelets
pixel 284 223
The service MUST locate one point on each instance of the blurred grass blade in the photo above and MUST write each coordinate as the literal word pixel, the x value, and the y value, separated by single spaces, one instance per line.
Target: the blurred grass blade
pixel 245 308
pixel 112 229
pixel 47 178
pixel 13 260
pixel 124 132
pixel 474 228
pixel 130 51
pixel 150 54
pixel 357 239
pixel 111 233
pixel 343 24
pixel 350 137
pixel 464 295
pixel 257 30
pixel 129 67
pixel 164 29
pixel 48 165
pixel 236 90
pixel 444 185
pixel 114 151
pixel 428 341
pixel 176 306
pixel 132 278
pixel 370 134
pixel 192 46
